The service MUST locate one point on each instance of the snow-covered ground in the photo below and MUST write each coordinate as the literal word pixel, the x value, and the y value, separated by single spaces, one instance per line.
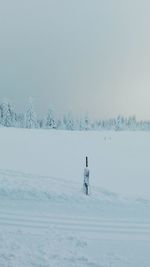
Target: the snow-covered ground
pixel 46 220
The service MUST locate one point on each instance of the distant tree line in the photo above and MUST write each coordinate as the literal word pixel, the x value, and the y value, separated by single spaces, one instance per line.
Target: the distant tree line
pixel 29 119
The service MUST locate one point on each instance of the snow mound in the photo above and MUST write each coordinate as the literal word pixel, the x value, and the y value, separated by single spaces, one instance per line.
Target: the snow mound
pixel 23 186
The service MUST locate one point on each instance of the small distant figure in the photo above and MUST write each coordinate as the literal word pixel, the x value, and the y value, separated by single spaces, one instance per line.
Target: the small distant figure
pixel 86 178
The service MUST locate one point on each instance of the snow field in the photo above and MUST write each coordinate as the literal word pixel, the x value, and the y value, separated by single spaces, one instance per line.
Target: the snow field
pixel 46 221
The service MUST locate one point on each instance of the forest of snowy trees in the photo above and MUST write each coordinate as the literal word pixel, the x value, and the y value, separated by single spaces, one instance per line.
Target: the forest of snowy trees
pixel 29 119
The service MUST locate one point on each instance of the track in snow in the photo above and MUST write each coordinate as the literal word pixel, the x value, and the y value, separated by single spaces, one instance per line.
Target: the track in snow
pixel 102 228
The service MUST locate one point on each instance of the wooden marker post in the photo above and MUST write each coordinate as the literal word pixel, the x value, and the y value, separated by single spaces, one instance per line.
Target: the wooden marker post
pixel 86 161
pixel 86 178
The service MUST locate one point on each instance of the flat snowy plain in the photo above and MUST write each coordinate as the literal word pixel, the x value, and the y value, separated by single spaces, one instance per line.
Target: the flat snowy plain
pixel 46 220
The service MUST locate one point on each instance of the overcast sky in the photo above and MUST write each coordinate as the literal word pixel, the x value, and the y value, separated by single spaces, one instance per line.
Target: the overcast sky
pixel 79 55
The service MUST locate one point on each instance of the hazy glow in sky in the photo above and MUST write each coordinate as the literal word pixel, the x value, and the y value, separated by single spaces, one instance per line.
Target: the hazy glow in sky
pixel 80 55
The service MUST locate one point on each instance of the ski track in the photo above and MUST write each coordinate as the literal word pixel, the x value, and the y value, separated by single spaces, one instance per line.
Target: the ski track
pixel 99 227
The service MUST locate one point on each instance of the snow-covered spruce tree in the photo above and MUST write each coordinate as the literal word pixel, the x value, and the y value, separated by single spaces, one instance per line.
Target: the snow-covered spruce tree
pixel 111 124
pixel 30 116
pixel 81 124
pixel 132 124
pixel 50 120
pixel 86 123
pixel 68 122
pixel 7 114
pixel 119 123
pixel 98 125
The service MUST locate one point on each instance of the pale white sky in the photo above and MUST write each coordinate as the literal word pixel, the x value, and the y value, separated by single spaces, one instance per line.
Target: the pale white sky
pixel 80 55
